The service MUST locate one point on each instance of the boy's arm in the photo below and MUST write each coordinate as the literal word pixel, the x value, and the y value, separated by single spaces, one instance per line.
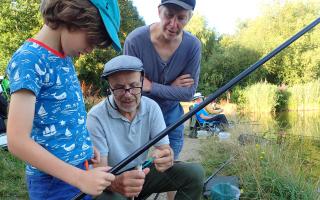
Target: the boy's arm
pixel 204 117
pixel 20 120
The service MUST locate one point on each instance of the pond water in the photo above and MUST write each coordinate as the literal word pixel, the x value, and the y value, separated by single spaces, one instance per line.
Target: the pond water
pixel 294 124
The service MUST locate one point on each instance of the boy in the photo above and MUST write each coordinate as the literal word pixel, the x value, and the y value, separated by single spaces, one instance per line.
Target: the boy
pixel 47 117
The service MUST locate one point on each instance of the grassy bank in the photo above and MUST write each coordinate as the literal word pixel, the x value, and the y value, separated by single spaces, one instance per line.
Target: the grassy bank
pixel 12 179
pixel 304 96
pixel 266 97
pixel 260 97
pixel 266 169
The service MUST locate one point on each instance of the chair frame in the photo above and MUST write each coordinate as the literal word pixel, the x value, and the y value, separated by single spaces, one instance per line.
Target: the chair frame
pixel 213 127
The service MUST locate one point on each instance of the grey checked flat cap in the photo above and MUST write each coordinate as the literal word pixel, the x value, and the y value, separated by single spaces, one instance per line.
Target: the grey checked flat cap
pixel 122 63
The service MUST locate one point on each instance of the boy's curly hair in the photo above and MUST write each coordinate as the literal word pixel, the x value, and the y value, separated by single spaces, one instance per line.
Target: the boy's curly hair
pixel 76 15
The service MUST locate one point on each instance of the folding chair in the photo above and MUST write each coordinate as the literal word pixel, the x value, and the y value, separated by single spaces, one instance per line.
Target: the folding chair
pixel 213 127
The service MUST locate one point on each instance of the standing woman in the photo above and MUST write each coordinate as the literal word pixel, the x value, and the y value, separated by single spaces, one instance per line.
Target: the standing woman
pixel 171 59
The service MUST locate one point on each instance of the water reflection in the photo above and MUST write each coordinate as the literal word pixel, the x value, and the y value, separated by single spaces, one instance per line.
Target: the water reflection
pixel 289 123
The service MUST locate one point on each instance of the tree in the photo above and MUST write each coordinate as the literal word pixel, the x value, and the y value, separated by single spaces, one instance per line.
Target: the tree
pixel 222 58
pixel 19 20
pixel 300 62
pixel 223 65
pixel 198 27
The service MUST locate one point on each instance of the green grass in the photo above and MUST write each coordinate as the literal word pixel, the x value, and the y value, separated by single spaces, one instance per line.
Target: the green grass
pixel 266 171
pixel 304 96
pixel 260 97
pixel 266 97
pixel 12 177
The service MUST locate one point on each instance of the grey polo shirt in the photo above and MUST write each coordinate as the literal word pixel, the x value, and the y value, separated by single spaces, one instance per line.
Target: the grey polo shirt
pixel 116 137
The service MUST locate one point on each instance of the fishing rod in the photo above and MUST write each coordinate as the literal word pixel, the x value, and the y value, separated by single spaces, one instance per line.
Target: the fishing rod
pixel 227 162
pixel 208 100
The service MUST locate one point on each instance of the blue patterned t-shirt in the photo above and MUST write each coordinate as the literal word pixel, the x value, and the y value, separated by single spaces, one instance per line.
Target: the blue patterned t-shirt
pixel 59 123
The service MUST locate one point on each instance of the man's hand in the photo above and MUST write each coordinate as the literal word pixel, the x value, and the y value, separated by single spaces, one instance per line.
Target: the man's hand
pixel 96 156
pixel 129 183
pixel 163 158
pixel 183 81
pixel 147 85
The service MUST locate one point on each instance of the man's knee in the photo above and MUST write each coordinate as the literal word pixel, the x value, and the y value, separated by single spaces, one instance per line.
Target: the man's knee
pixel 193 172
pixel 196 172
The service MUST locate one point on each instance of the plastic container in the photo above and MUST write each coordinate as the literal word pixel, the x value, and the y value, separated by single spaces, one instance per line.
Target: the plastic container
pixel 224 136
pixel 202 134
pixel 225 191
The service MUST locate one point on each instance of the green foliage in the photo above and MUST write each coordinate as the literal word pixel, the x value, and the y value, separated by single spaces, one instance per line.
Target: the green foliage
pixel 260 97
pixel 298 63
pixel 6 88
pixel 237 96
pixel 304 96
pixel 198 27
pixel 18 22
pixel 282 100
pixel 266 97
pixel 210 45
pixel 223 65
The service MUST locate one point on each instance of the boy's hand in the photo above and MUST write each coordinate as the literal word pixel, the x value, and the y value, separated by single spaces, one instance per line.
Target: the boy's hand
pixel 129 183
pixel 163 158
pixel 94 181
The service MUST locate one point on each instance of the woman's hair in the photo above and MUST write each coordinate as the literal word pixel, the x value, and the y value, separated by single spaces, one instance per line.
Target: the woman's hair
pixel 76 15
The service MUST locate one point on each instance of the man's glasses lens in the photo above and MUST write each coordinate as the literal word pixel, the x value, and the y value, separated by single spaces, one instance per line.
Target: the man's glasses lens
pixel 122 91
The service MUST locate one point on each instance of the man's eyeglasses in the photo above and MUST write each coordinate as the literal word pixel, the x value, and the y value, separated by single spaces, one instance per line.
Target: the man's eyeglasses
pixel 122 91
pixel 171 14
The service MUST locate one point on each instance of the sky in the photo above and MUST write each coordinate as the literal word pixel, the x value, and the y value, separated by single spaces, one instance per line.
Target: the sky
pixel 222 15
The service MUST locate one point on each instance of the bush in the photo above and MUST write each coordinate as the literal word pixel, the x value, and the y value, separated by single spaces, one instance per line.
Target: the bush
pixel 304 96
pixel 260 97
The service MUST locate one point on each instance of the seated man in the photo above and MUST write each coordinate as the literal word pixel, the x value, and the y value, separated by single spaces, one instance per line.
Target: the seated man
pixel 213 109
pixel 204 117
pixel 125 121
